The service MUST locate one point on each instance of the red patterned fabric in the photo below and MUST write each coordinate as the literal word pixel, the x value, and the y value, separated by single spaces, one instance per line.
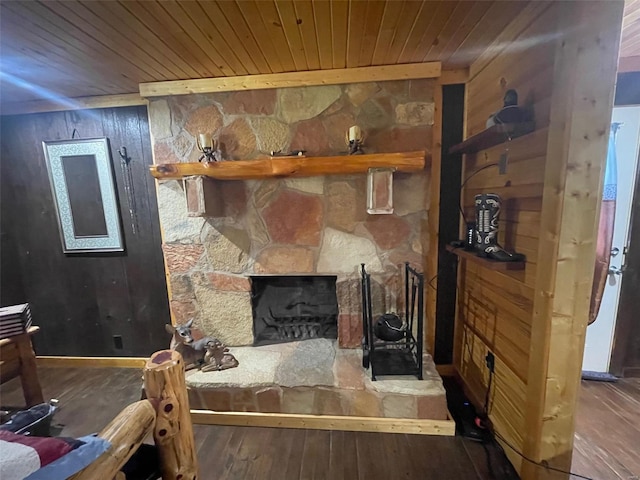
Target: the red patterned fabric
pixel 47 449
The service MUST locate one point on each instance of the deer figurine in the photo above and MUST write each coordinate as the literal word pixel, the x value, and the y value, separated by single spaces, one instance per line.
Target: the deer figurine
pixel 190 342
pixel 218 357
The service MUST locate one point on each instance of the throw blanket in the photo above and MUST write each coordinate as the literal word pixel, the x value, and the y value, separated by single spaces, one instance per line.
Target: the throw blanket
pixel 23 455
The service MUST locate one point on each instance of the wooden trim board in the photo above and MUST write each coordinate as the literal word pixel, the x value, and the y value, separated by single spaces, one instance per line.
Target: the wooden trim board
pixel 292 79
pixel 325 422
pixel 452 77
pixel 98 362
pixel 433 223
pixel 78 103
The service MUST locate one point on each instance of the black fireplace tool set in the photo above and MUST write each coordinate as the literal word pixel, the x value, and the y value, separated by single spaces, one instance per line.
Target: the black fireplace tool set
pixel 389 345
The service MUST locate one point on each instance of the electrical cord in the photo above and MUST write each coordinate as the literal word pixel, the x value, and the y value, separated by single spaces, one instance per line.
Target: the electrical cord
pixel 486 409
pixel 469 178
pixel 543 464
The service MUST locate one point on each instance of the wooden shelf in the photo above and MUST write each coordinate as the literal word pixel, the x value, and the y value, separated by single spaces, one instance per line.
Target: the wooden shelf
pixel 492 136
pixel 485 262
pixel 281 167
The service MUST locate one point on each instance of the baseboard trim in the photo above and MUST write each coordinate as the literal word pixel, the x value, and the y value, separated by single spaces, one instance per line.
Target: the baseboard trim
pixel 325 422
pixel 90 362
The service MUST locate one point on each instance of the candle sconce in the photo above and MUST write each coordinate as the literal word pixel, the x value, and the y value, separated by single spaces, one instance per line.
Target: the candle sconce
pixel 209 148
pixel 355 140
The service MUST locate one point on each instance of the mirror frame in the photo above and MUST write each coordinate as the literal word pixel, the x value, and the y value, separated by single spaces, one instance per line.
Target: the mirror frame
pixel 54 152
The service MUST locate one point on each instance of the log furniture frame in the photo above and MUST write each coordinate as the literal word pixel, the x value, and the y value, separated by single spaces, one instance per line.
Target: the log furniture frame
pixel 165 413
pixel 18 359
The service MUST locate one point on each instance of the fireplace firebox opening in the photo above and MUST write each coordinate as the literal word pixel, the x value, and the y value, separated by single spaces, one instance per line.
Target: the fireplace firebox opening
pixel 293 307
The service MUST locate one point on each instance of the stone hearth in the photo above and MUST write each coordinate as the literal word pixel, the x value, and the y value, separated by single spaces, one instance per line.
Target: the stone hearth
pixel 315 377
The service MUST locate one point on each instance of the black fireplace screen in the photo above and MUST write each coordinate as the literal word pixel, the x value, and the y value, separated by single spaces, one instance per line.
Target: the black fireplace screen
pixel 292 308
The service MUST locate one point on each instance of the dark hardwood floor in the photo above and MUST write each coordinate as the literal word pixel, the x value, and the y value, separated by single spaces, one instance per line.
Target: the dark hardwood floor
pixel 607 441
pixel 607 445
pixel 90 398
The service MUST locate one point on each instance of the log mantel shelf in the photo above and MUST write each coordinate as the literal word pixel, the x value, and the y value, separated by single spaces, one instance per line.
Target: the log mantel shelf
pixel 282 167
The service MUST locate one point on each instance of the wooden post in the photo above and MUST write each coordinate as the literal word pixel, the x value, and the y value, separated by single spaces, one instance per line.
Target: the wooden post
pixel 583 85
pixel 431 287
pixel 125 433
pixel 165 385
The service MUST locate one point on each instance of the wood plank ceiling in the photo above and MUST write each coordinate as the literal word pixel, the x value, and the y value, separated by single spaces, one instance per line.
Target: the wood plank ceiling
pixel 82 48
pixel 630 46
pixel 78 48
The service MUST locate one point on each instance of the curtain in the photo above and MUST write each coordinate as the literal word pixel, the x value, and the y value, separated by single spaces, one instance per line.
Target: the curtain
pixel 605 228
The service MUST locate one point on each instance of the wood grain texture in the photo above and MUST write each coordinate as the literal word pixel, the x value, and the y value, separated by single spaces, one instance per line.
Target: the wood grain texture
pixel 79 103
pixel 86 48
pixel 486 263
pixel 90 362
pixel 431 261
pixel 81 302
pixel 292 79
pixel 574 169
pixel 17 359
pixel 495 308
pixel 599 451
pixel 500 311
pixel 74 49
pixel 165 386
pixel 607 430
pixel 325 422
pixel 293 166
pixel 125 433
pixel 630 42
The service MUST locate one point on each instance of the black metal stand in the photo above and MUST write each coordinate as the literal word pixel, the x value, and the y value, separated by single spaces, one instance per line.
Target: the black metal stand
pixel 403 357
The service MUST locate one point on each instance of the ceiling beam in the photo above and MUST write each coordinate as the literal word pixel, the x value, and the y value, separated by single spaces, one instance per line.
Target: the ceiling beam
pixel 292 79
pixel 78 103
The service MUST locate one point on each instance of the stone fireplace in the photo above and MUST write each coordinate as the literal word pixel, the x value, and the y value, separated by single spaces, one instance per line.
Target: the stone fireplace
pixel 291 229
pixel 298 226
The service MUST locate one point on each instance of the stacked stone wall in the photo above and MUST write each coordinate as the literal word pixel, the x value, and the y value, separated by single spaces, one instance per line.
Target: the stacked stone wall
pixel 291 226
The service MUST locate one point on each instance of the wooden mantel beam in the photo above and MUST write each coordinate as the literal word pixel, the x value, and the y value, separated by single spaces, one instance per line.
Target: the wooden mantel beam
pixel 292 79
pixel 281 167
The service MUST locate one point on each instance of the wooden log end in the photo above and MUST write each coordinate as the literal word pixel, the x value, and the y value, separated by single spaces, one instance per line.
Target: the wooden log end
pixel 163 359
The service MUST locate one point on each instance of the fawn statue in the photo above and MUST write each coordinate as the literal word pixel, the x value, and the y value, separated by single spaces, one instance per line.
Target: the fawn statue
pixel 199 351
pixel 218 357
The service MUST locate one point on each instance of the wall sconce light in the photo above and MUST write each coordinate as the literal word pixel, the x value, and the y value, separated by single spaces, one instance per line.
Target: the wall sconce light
pixel 207 146
pixel 355 140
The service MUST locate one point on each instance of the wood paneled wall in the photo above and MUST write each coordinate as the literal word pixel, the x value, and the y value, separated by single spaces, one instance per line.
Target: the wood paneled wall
pixel 495 308
pixel 509 313
pixel 81 301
